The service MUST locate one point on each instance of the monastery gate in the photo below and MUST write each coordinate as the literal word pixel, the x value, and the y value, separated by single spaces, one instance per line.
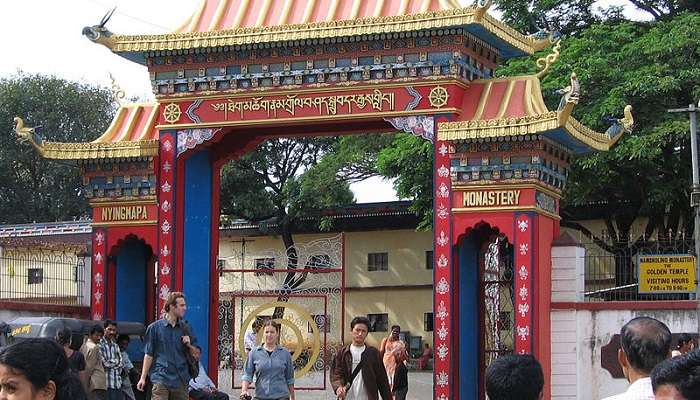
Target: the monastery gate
pixel 239 72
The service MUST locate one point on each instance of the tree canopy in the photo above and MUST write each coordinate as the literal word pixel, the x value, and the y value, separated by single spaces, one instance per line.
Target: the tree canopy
pixel 652 66
pixel 34 189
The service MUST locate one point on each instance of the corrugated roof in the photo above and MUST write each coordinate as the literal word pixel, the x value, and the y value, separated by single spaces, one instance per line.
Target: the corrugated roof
pixel 513 106
pixel 218 23
pixel 132 133
pixel 220 15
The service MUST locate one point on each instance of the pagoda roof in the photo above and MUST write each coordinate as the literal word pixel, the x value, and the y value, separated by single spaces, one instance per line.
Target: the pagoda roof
pixel 131 134
pixel 513 106
pixel 219 23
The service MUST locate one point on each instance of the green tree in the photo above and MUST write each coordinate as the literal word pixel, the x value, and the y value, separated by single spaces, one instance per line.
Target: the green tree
pixel 284 181
pixel 652 67
pixel 34 189
pixel 409 160
pixel 572 16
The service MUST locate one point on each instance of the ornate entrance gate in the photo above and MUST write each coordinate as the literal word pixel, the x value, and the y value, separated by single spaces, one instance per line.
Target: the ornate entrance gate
pixel 308 302
pixel 496 260
pixel 239 72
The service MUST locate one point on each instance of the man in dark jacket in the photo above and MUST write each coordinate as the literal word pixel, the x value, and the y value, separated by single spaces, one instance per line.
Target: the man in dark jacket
pixel 370 380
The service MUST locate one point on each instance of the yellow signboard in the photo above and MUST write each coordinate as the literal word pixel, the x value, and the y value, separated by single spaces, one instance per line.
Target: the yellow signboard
pixel 667 273
pixel 21 330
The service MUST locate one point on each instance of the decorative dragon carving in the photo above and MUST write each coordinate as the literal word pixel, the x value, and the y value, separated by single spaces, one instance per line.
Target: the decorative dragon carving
pixel 27 134
pixel 570 94
pixel 621 125
pixel 98 33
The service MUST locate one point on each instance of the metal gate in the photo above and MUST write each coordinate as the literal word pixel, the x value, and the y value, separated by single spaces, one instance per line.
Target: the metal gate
pixel 498 318
pixel 308 301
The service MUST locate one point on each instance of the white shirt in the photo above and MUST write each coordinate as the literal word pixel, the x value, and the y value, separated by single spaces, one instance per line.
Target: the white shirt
pixel 640 390
pixel 202 381
pixel 357 389
pixel 249 340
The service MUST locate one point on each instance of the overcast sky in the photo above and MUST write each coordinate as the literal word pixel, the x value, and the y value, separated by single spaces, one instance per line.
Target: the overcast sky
pixel 44 36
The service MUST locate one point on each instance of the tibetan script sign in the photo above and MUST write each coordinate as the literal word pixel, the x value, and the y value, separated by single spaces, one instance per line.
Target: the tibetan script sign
pixel 666 273
pixel 366 101
pixel 292 105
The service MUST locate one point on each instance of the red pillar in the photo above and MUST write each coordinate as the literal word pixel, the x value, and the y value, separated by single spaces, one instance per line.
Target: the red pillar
pixel 98 279
pixel 166 215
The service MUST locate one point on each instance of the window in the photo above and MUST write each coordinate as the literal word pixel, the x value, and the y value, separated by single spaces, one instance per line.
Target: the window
pixel 262 264
pixel 378 262
pixel 378 322
pixel 428 322
pixel 323 323
pixel 35 276
pixel 429 259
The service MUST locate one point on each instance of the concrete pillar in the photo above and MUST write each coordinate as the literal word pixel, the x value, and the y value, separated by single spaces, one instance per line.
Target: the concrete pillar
pixel 567 287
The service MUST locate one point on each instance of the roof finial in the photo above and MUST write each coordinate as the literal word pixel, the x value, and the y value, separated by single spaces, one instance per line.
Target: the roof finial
pixel 117 91
pixel 571 93
pixel 621 125
pixel 27 134
pixel 545 62
pixel 481 7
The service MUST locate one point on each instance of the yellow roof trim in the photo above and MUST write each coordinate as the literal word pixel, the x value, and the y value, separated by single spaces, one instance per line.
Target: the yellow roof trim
pixel 319 30
pixel 91 150
pixel 538 120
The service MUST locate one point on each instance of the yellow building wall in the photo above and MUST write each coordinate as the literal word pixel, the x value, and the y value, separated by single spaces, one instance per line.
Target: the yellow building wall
pixel 406 250
pixel 405 307
pixel 393 292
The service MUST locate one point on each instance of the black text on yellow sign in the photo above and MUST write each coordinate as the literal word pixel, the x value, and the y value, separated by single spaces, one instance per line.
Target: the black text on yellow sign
pixel 124 213
pixel 666 274
pixel 491 198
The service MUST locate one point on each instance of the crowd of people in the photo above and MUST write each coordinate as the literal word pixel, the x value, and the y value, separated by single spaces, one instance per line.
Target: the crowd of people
pixel 41 369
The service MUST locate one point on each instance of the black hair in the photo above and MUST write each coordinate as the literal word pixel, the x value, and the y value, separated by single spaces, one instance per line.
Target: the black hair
pixel 41 361
pixel 123 337
pixel 97 328
pixel 682 372
pixel 359 320
pixel 395 326
pixel 63 336
pixel 110 322
pixel 646 342
pixel 683 339
pixel 514 376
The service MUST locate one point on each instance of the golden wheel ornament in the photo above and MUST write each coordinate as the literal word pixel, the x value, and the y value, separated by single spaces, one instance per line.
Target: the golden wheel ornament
pixel 438 96
pixel 300 347
pixel 172 113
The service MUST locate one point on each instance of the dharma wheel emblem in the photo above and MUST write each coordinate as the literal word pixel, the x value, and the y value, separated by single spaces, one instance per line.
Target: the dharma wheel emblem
pixel 438 96
pixel 172 113
pixel 304 319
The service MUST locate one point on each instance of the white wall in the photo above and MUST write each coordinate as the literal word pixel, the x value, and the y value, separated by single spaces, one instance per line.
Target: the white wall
pixel 578 334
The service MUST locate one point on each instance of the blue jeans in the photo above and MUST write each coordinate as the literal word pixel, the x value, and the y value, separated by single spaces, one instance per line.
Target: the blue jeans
pixel 115 394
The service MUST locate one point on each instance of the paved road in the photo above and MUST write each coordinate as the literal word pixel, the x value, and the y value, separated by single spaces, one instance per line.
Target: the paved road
pixel 420 387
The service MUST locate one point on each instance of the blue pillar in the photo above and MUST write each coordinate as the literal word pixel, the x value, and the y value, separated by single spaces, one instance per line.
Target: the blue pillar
pixel 469 319
pixel 131 282
pixel 197 246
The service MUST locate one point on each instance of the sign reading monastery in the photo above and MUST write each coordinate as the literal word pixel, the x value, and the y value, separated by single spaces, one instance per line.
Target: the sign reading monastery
pixel 491 198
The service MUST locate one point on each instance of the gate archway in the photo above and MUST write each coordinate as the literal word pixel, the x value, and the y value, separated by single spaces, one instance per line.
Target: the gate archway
pixel 238 72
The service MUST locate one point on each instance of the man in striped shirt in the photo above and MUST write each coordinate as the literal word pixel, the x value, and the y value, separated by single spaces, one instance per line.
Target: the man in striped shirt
pixel 112 361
